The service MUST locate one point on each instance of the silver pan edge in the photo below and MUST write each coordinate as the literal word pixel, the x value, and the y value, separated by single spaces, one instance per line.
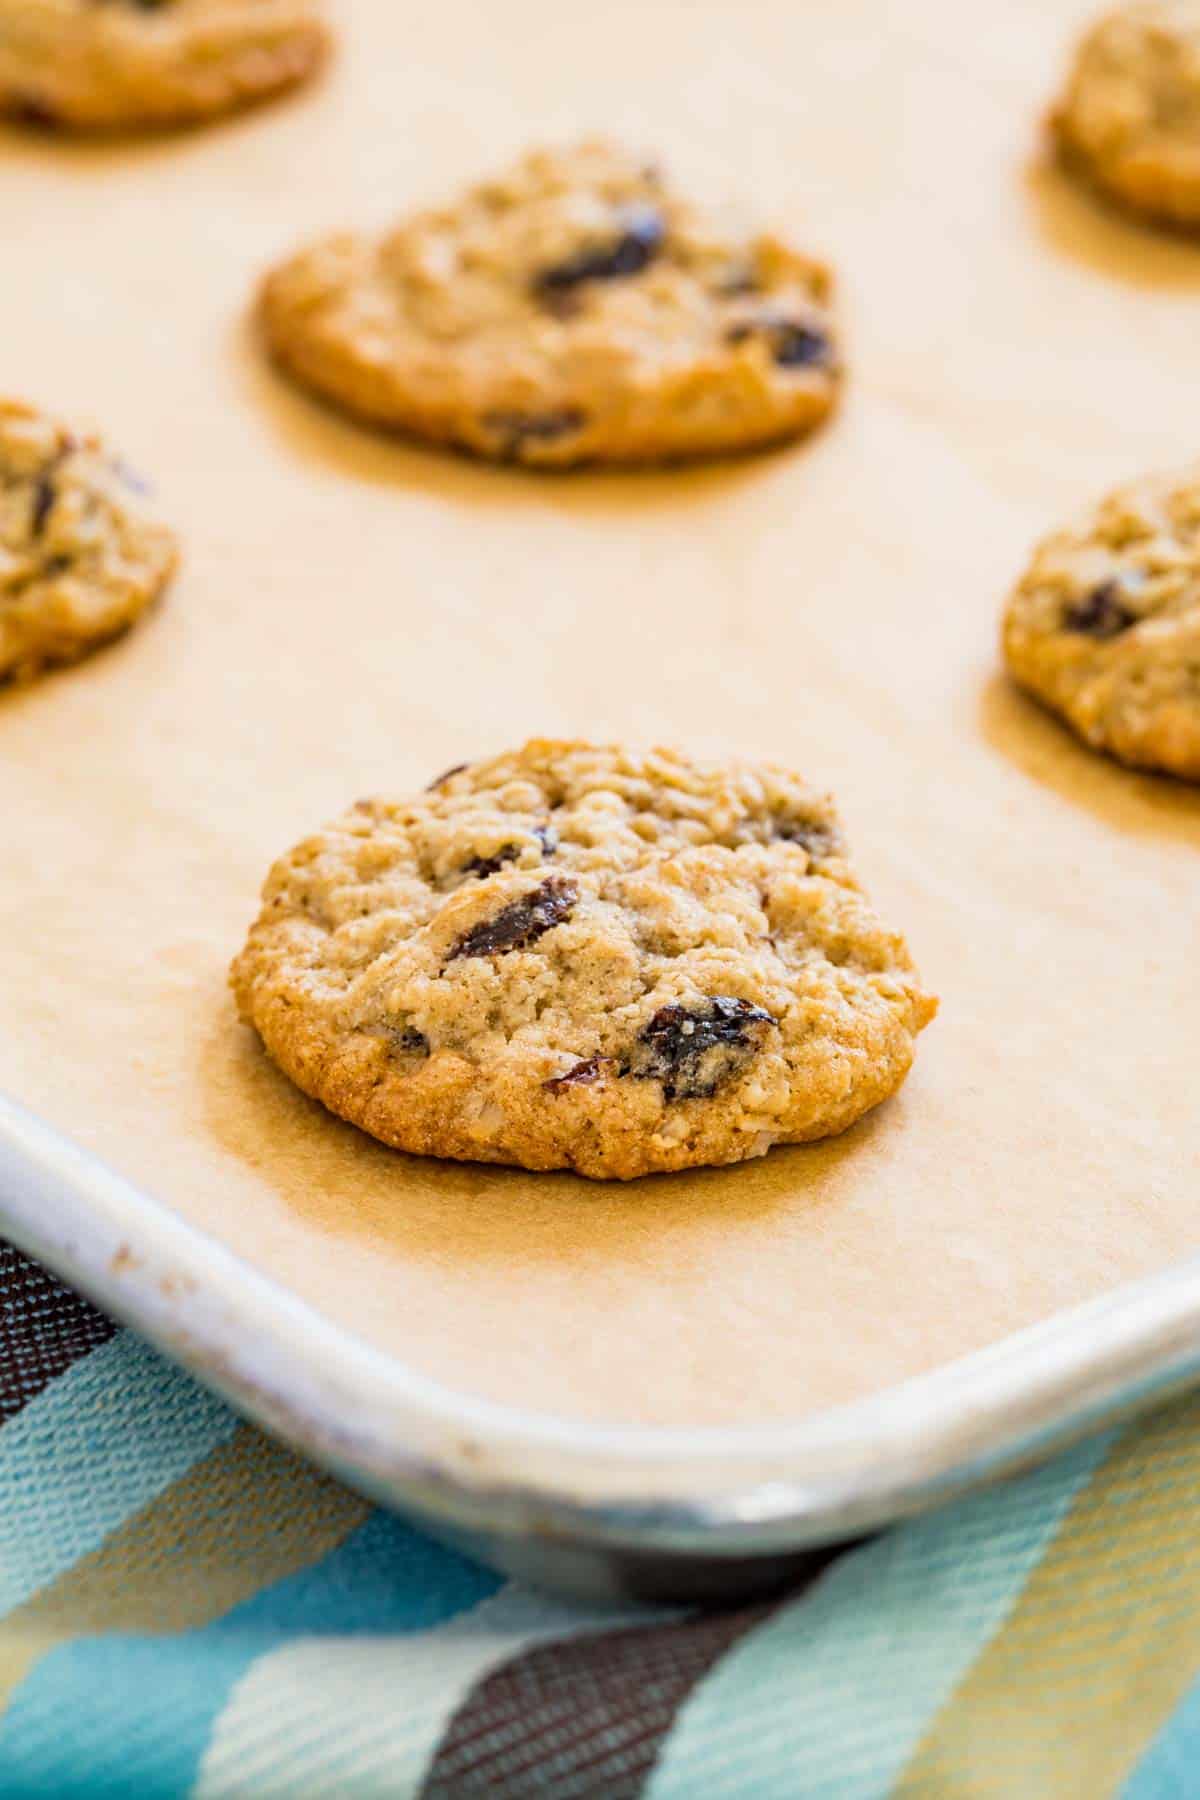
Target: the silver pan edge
pixel 608 1512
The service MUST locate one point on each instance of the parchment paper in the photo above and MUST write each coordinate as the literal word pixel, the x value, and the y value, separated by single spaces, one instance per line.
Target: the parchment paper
pixel 355 615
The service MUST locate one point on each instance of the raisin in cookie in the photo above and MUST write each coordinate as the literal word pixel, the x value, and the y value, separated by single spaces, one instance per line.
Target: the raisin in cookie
pixel 578 957
pixel 108 64
pixel 1130 117
pixel 575 309
pixel 1105 626
pixel 81 554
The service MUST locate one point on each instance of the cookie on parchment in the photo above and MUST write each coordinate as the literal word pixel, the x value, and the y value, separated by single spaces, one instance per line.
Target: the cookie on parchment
pixel 575 309
pixel 1105 625
pixel 113 64
pixel 81 552
pixel 1130 116
pixel 580 957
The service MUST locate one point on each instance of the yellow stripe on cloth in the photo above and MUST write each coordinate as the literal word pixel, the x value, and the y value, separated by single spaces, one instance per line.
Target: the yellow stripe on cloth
pixel 1099 1648
pixel 243 1517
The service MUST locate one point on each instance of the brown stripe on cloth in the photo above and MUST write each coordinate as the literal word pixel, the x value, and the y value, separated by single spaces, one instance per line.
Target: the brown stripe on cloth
pixel 44 1328
pixel 585 1716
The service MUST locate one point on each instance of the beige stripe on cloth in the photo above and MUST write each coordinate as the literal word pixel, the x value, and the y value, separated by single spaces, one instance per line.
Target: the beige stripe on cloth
pixel 1099 1648
pixel 243 1517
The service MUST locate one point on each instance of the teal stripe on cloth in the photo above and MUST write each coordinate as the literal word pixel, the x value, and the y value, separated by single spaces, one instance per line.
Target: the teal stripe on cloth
pixel 92 1448
pixel 1170 1768
pixel 96 1709
pixel 829 1697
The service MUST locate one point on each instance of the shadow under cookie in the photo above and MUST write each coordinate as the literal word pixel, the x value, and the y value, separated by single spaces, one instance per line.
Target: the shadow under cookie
pixel 1043 747
pixel 1089 227
pixel 672 1300
pixel 347 1183
pixel 312 428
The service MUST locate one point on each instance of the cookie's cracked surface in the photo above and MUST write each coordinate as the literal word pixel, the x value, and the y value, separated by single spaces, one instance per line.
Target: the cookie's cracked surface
pixel 1129 118
pixel 1105 625
pixel 81 552
pixel 575 309
pixel 110 64
pixel 654 971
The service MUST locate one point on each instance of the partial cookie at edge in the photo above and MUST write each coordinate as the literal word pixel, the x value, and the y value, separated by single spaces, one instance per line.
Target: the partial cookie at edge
pixel 1128 120
pixel 109 65
pixel 82 553
pixel 1104 627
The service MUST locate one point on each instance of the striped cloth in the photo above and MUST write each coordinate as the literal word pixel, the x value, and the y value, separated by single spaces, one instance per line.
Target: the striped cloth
pixel 189 1610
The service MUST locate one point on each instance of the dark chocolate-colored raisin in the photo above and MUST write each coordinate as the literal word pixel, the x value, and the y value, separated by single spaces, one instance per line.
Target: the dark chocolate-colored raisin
pixel 44 496
pixel 800 347
pixel 817 840
pixel 1100 614
pixel 693 1050
pixel 792 345
pixel 583 1074
pixel 518 429
pixel 44 491
pixel 404 1040
pixel 521 923
pixel 31 109
pixel 440 780
pixel 483 866
pixel 638 240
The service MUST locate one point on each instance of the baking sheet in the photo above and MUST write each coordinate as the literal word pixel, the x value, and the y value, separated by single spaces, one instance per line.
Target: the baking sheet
pixel 356 615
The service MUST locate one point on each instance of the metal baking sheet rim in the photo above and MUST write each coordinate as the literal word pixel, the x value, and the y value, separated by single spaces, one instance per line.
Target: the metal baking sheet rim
pixel 499 1475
